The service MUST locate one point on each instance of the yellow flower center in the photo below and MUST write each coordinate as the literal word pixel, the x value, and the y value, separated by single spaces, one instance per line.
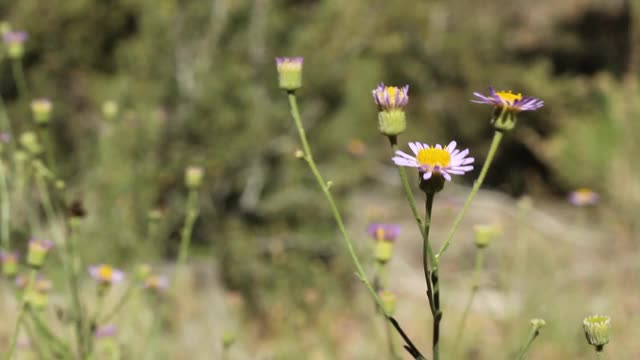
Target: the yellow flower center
pixel 434 157
pixel 105 272
pixel 380 233
pixel 584 194
pixel 509 96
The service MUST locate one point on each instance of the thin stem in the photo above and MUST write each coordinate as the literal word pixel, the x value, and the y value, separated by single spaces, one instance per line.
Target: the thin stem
pixel 600 352
pixel 533 334
pixel 5 122
pixel 497 136
pixel 338 218
pixel 5 208
pixel 475 286
pixel 55 344
pixel 23 308
pixel 19 78
pixel 427 252
pixel 45 135
pixel 187 229
pixel 390 341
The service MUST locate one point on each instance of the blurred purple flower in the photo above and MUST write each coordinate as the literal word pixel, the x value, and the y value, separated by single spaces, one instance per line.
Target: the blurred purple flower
pixel 106 274
pixel 583 197
pixel 381 231
pixel 15 37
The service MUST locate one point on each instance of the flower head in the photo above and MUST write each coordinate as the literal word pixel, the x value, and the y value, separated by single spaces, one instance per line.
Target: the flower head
pixel 106 274
pixel 156 282
pixel 9 261
pixel 386 232
pixel 41 109
pixel 106 331
pixel 390 97
pixel 507 105
pixel 583 197
pixel 38 250
pixel 429 160
pixel 14 40
pixel 289 72
pixel 596 329
pixel 193 177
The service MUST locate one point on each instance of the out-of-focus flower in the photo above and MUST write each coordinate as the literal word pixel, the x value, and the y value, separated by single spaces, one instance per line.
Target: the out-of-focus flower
pixel 356 147
pixel 596 329
pixel 41 109
pixel 143 271
pixel 391 101
pixel 193 177
pixel 386 232
pixel 14 40
pixel 228 338
pixel 110 109
pixel 484 235
pixel 9 261
pixel 5 27
pixel 106 331
pixel 289 72
pixel 388 301
pixel 506 106
pixel 29 140
pixel 583 197
pixel 38 250
pixel 106 274
pixel 157 283
pixel 437 160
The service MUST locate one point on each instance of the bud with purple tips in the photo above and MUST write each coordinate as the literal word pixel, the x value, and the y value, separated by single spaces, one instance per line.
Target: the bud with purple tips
pixel 289 72
pixel 38 250
pixel 9 261
pixel 14 40
pixel 41 110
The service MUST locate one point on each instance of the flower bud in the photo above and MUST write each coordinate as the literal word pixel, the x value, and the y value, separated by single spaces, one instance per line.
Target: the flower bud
pixel 299 154
pixel 383 251
pixel 228 338
pixel 193 177
pixel 391 101
pixel 41 110
pixel 29 140
pixel 5 28
pixel 388 302
pixel 596 329
pixel 110 109
pixel 9 261
pixel 143 271
pixel 483 235
pixel 14 40
pixel 38 250
pixel 538 323
pixel 289 72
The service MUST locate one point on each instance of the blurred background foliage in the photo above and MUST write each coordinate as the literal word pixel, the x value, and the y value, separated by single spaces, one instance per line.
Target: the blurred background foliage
pixel 195 82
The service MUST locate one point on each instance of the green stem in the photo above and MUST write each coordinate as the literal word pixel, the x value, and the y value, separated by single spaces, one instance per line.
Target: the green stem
pixel 475 285
pixel 54 343
pixel 187 229
pixel 21 312
pixel 600 352
pixel 45 135
pixel 497 136
pixel 19 78
pixel 5 123
pixel 533 334
pixel 338 218
pixel 5 208
pixel 427 253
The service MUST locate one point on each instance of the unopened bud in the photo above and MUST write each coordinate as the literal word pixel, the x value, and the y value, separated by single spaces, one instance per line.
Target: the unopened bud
pixel 299 154
pixel 228 338
pixel 29 140
pixel 193 177
pixel 388 301
pixel 484 235
pixel 38 250
pixel 110 109
pixel 383 251
pixel 14 40
pixel 9 261
pixel 41 110
pixel 596 329
pixel 289 73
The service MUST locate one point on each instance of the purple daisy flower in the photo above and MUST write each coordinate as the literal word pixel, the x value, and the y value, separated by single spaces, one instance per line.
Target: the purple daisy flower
pixel 390 97
pixel 445 161
pixel 106 274
pixel 583 197
pixel 15 37
pixel 509 100
pixel 380 231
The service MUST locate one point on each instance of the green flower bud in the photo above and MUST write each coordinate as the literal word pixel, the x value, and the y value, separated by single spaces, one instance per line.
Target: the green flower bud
pixel 289 73
pixel 110 109
pixel 38 250
pixel 193 177
pixel 388 301
pixel 228 338
pixel 483 235
pixel 596 329
pixel 392 123
pixel 383 251
pixel 41 110
pixel 29 140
